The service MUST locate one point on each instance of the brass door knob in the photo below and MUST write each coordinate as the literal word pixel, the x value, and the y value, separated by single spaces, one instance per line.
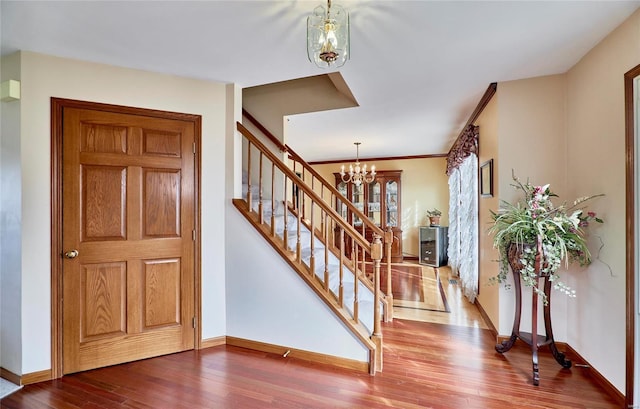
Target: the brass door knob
pixel 71 254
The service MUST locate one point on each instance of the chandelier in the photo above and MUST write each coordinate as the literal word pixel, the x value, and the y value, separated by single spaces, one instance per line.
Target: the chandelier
pixel 328 36
pixel 358 174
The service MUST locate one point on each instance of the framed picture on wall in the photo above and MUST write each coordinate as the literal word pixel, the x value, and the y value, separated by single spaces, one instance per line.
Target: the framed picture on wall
pixel 486 179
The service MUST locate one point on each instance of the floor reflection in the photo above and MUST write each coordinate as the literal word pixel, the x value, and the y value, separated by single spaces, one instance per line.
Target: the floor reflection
pixel 462 312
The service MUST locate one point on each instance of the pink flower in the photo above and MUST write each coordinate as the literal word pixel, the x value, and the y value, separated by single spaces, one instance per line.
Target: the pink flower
pixel 591 214
pixel 584 223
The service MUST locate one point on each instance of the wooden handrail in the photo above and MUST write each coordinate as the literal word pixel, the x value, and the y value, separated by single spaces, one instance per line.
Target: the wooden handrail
pixel 351 231
pixel 370 225
pixel 265 131
pixel 286 148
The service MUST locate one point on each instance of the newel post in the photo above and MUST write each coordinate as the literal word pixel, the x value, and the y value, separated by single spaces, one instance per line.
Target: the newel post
pixel 376 337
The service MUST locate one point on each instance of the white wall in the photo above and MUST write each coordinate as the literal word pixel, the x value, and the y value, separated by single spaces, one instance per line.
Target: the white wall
pixel 596 164
pixel 10 222
pixel 44 77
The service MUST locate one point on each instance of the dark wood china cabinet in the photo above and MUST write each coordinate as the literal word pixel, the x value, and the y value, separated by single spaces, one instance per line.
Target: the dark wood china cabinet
pixel 379 201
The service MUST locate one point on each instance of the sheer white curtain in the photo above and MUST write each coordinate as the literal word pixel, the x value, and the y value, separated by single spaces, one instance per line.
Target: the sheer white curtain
pixel 462 168
pixel 453 251
pixel 469 227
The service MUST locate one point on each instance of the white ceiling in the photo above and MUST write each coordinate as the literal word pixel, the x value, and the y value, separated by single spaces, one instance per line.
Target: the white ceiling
pixel 417 68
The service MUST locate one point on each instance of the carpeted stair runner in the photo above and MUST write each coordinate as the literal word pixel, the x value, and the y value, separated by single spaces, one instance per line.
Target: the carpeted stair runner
pixel 365 296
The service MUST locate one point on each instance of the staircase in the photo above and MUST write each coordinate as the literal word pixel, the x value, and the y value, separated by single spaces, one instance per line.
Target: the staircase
pixel 293 208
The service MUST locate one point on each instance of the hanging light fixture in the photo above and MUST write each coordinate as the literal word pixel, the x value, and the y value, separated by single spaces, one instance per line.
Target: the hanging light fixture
pixel 358 174
pixel 328 36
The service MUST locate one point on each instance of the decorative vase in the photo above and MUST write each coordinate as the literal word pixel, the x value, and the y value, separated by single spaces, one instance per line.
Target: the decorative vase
pixel 434 220
pixel 514 255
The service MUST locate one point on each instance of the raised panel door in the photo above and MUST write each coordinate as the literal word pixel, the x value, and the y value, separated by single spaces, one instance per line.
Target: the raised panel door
pixel 129 213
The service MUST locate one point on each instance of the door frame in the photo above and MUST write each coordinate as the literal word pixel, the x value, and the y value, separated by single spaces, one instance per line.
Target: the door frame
pixel 57 107
pixel 630 165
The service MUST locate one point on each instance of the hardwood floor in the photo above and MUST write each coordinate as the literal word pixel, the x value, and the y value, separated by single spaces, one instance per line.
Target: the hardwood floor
pixel 426 365
pixel 461 312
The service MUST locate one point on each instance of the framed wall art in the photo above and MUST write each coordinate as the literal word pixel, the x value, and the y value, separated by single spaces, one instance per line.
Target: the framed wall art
pixel 486 179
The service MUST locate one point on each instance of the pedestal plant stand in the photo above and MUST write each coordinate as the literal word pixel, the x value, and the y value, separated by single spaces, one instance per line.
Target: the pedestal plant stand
pixel 532 338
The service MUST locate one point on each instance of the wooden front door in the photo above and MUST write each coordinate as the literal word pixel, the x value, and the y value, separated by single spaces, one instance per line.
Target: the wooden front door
pixel 128 236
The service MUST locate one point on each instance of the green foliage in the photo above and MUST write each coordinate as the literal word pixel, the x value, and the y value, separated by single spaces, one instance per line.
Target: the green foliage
pixel 434 213
pixel 535 218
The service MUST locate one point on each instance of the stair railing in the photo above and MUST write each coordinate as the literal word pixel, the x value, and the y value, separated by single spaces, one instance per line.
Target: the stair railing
pixel 320 218
pixel 334 198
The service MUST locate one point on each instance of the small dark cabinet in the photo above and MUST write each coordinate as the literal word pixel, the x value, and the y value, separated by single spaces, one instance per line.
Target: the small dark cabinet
pixel 433 245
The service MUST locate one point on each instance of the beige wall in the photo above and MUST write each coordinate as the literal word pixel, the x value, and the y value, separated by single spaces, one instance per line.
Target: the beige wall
pixel 568 130
pixel 45 76
pixel 424 186
pixel 596 164
pixel 10 225
pixel 531 144
pixel 523 130
pixel 487 267
pixel 531 132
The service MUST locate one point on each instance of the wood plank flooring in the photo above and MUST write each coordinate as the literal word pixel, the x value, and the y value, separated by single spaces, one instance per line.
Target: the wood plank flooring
pixel 426 365
pixel 461 312
pixel 422 292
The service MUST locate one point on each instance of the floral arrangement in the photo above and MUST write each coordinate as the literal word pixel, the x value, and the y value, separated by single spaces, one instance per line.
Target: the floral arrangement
pixel 559 229
pixel 434 213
